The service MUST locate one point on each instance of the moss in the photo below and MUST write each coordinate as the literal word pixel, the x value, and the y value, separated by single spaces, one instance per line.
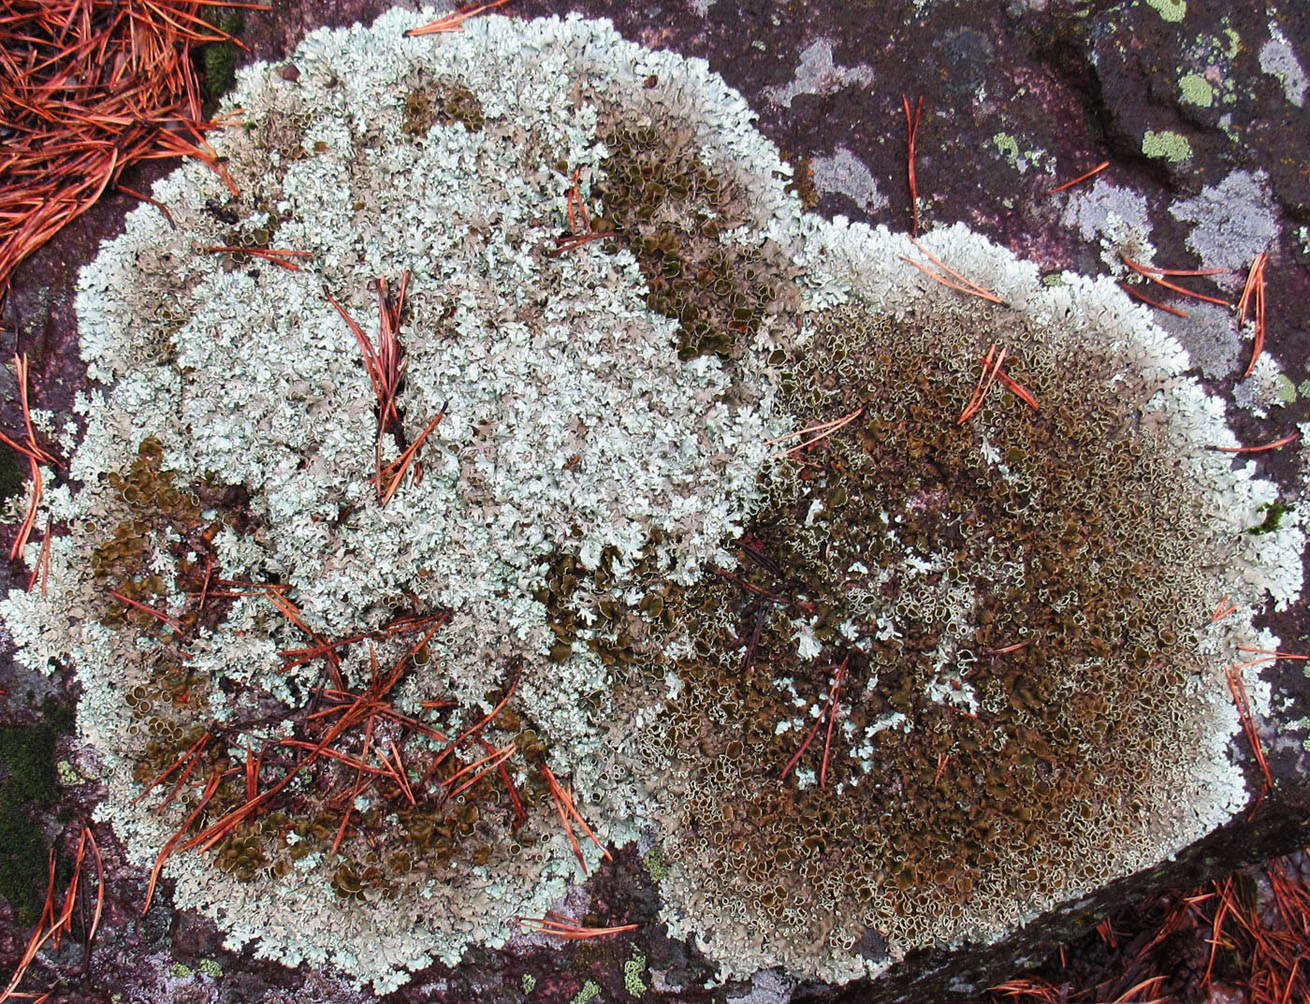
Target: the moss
pixel 28 785
pixel 211 969
pixel 220 58
pixel 1274 513
pixel 11 474
pixel 656 867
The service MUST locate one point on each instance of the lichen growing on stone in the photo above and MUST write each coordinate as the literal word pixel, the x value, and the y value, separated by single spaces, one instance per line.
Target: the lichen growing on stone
pixel 232 522
pixel 603 581
pixel 1009 615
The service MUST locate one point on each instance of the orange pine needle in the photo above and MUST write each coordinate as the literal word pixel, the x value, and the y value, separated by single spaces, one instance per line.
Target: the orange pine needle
pixel 1017 389
pixel 41 573
pixel 400 774
pixel 991 363
pixel 572 241
pixel 498 762
pixel 833 709
pixel 503 752
pixel 942 760
pixel 1224 608
pixel 277 256
pixel 564 803
pixel 154 202
pixel 809 738
pixel 1291 437
pixel 1254 290
pixel 211 786
pixel 168 619
pixel 453 21
pixel 563 927
pixel 1152 303
pixel 828 428
pixel 911 137
pixel 1127 996
pixel 520 813
pixel 1081 178
pixel 51 926
pixel 1271 654
pixel 36 456
pixel 1007 649
pixel 557 794
pixel 1240 699
pixel 407 458
pixel 1157 275
pixel 962 284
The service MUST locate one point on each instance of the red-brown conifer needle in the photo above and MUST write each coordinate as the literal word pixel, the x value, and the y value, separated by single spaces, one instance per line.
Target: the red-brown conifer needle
pixel 159 615
pixel 35 455
pixel 277 256
pixel 1253 294
pixel 41 573
pixel 211 786
pixel 824 430
pixel 961 283
pixel 1291 437
pixel 1017 389
pixel 1224 609
pixel 1157 275
pixel 911 137
pixel 832 720
pixel 1243 704
pixel 564 803
pixel 454 21
pixel 991 366
pixel 564 927
pixel 1082 177
pixel 87 89
pixel 1152 303
pixel 406 459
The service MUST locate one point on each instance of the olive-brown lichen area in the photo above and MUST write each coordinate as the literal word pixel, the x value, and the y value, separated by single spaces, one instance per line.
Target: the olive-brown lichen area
pixel 671 209
pixel 1009 605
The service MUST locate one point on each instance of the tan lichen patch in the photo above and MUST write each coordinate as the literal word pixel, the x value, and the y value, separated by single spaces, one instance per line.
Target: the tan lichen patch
pixel 443 102
pixel 1017 603
pixel 672 210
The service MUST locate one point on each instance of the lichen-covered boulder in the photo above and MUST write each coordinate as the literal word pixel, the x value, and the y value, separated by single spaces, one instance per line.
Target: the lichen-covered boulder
pixel 492 466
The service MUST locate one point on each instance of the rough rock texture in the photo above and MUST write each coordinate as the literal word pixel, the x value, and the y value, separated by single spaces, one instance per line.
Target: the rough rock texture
pixel 1198 106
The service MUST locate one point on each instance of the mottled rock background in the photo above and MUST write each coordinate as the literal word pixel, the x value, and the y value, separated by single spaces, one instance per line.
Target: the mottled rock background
pixel 1200 107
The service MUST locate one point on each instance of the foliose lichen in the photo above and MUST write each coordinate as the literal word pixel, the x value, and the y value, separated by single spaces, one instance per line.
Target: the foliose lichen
pixel 358 718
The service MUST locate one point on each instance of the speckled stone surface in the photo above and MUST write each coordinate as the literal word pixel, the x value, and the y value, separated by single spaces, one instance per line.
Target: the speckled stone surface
pixel 1200 107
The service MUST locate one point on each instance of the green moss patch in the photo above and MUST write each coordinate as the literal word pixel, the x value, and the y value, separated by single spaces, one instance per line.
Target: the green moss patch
pixel 28 785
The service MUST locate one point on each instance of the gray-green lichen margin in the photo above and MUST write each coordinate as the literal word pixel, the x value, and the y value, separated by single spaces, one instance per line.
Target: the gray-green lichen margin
pixel 606 445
